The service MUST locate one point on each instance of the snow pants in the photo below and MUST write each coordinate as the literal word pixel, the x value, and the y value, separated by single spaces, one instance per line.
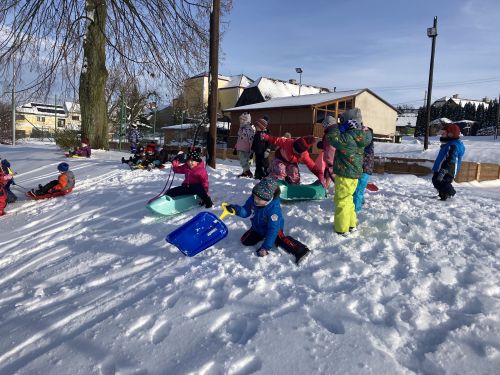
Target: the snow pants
pixel 444 187
pixel 282 170
pixel 261 166
pixel 359 193
pixel 3 200
pixel 245 160
pixel 187 190
pixel 345 214
pixel 45 188
pixel 292 246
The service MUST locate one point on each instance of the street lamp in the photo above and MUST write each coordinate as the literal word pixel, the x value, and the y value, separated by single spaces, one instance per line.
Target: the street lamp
pixel 431 33
pixel 299 70
pixel 154 106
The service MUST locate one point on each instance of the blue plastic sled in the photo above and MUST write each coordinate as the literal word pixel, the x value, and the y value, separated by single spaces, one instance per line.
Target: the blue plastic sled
pixel 199 233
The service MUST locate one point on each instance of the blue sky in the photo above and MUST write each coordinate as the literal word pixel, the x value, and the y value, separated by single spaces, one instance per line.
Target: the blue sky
pixel 381 45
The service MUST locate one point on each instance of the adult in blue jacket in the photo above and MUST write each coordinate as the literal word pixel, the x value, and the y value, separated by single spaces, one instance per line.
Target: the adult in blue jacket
pixel 448 161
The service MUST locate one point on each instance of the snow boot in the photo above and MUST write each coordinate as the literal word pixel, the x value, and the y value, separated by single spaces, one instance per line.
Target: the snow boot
pixel 294 247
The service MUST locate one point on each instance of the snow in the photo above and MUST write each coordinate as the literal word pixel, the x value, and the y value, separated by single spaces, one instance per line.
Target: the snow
pixel 89 286
pixel 479 149
pixel 407 119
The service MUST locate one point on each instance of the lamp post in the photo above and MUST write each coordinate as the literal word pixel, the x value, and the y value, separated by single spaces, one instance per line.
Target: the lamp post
pixel 299 70
pixel 154 106
pixel 431 33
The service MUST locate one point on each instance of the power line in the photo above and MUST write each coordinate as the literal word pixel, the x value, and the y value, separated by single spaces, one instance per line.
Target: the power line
pixel 443 84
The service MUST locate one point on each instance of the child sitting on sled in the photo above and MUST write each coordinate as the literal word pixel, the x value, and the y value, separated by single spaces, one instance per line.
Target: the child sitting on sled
pixel 196 177
pixel 64 183
pixel 267 221
pixel 83 151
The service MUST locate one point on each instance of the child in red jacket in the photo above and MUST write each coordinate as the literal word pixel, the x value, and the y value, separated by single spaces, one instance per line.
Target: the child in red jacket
pixel 196 177
pixel 3 193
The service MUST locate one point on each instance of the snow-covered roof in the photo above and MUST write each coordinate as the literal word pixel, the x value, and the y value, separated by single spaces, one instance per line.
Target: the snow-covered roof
pixel 407 119
pixel 71 107
pixel 274 88
pixel 299 101
pixel 41 109
pixel 239 80
pixel 205 74
pixel 459 101
pixel 441 121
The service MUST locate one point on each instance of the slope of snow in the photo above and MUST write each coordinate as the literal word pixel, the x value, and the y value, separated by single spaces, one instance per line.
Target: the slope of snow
pixel 88 284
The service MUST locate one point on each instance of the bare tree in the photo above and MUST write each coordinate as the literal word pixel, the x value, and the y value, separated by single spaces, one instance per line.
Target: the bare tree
pixel 74 43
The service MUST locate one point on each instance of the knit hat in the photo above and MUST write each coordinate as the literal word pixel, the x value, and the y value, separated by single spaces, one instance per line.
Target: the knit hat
pixel 245 118
pixel 452 131
pixel 328 121
pixel 194 154
pixel 352 114
pixel 63 167
pixel 303 144
pixel 261 124
pixel 265 188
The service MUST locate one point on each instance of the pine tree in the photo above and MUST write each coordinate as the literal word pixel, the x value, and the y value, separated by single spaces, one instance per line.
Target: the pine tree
pixel 421 120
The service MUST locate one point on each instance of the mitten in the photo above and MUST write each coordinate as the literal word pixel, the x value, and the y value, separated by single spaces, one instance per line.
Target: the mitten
pixel 231 208
pixel 175 163
pixel 264 136
pixel 344 127
pixel 441 174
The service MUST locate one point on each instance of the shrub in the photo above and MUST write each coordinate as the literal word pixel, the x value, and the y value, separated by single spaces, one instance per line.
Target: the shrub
pixel 67 139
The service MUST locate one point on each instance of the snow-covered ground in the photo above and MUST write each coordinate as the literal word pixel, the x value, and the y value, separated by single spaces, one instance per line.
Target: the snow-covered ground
pixel 484 149
pixel 88 284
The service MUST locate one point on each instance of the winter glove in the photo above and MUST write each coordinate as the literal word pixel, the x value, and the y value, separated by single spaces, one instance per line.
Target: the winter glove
pixel 264 136
pixel 266 153
pixel 175 163
pixel 441 174
pixel 231 208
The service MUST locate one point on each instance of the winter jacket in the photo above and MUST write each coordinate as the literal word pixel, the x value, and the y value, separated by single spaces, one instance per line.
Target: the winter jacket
pixel 288 155
pixel 349 152
pixel 450 156
pixel 134 135
pixel 246 134
pixel 266 220
pixel 369 158
pixel 197 175
pixel 65 182
pixel 83 151
pixel 260 146
pixel 5 167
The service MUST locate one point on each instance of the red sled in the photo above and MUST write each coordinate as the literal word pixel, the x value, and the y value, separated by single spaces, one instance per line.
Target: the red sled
pixel 30 194
pixel 371 187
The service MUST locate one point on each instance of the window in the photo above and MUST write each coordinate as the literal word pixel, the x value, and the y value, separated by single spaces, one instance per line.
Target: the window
pixel 75 118
pixel 40 119
pixel 20 117
pixel 60 123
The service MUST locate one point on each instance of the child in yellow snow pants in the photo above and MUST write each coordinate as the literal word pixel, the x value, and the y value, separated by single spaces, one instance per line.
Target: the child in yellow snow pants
pixel 345 214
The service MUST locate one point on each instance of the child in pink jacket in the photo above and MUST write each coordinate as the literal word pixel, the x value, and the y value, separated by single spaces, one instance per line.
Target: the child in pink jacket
pixel 196 177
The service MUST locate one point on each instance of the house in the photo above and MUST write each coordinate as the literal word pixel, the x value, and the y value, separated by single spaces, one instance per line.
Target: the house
pixel 406 121
pixel 456 100
pixel 264 89
pixel 43 117
pixel 302 115
pixel 194 97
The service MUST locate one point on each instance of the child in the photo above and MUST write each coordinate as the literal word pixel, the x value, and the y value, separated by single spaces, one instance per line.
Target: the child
pixel 137 159
pixel 164 154
pixel 84 150
pixel 261 149
pixel 288 155
pixel 5 166
pixel 196 177
pixel 267 221
pixel 134 137
pixel 448 161
pixel 368 161
pixel 4 178
pixel 349 140
pixel 152 157
pixel 243 146
pixel 64 183
pixel 328 150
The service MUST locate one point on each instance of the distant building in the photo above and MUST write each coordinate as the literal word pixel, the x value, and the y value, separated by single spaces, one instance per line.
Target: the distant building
pixel 47 117
pixel 406 120
pixel 456 100
pixel 264 89
pixel 302 115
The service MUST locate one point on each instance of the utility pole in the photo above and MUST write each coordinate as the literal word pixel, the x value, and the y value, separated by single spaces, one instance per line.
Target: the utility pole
pixel 214 82
pixel 431 33
pixel 498 117
pixel 55 113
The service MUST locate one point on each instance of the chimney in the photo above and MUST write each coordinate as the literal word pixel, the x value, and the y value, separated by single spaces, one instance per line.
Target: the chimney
pixel 455 96
pixel 292 81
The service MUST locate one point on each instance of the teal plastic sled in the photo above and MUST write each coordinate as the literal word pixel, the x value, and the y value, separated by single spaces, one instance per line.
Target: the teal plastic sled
pixel 167 206
pixel 291 192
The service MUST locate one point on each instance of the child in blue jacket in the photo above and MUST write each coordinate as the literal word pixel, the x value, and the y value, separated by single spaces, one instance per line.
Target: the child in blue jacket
pixel 448 161
pixel 267 221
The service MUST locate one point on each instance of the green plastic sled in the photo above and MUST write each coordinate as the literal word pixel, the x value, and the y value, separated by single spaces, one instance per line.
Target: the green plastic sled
pixel 290 192
pixel 168 206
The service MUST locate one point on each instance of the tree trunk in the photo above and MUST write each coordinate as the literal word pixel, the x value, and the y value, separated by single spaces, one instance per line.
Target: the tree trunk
pixel 93 77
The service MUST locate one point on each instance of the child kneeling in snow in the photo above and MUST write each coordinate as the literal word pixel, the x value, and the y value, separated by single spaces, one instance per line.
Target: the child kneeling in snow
pixel 64 183
pixel 196 177
pixel 267 221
